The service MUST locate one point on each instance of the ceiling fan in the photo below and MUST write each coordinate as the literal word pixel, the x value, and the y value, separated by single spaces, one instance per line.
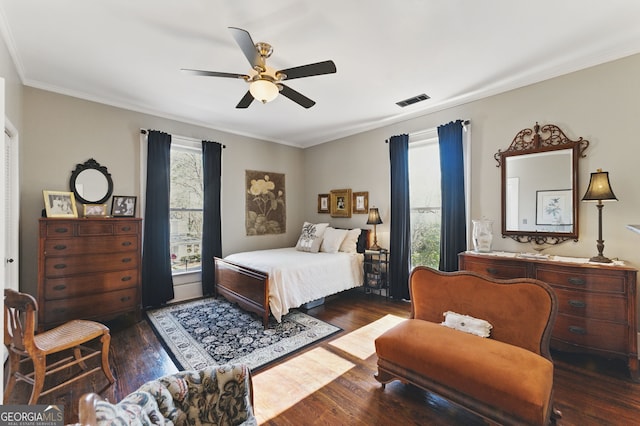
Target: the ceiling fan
pixel 264 82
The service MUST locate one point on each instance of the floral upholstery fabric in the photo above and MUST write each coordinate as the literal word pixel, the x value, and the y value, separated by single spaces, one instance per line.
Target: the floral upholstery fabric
pixel 217 395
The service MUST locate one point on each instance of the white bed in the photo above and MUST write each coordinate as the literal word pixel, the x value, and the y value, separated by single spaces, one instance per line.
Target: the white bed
pixel 297 277
pixel 277 280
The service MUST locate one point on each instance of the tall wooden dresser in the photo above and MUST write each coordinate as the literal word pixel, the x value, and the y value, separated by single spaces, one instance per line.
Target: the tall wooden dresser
pixel 596 302
pixel 88 268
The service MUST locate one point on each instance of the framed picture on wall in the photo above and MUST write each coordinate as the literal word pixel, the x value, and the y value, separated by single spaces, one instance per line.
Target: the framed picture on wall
pixel 360 203
pixel 340 203
pixel 323 203
pixel 60 204
pixel 554 207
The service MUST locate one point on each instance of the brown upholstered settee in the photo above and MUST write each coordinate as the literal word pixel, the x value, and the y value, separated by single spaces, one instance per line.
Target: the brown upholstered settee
pixel 506 378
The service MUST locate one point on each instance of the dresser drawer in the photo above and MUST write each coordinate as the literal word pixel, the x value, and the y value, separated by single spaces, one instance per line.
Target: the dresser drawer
pixel 59 229
pixel 89 284
pixel 127 227
pixel 91 263
pixel 89 245
pixel 86 307
pixel 576 279
pixel 501 270
pixel 592 305
pixel 591 333
pixel 90 227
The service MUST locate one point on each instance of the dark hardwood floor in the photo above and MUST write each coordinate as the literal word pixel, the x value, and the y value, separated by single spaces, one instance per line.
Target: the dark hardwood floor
pixel 588 390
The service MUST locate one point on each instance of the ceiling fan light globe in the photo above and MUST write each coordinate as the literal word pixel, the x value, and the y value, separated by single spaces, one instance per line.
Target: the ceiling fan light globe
pixel 263 90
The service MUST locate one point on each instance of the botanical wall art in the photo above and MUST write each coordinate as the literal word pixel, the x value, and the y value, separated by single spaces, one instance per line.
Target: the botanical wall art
pixel 265 207
pixel 554 207
pixel 323 203
pixel 360 202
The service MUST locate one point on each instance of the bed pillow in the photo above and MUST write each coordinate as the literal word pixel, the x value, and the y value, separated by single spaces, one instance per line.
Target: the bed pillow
pixel 332 239
pixel 311 237
pixel 350 242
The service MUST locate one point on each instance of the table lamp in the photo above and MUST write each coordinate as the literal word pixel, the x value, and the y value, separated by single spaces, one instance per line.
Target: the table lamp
pixel 599 190
pixel 374 219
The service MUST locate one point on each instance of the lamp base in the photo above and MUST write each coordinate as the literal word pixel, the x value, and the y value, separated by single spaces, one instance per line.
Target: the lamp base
pixel 375 247
pixel 600 259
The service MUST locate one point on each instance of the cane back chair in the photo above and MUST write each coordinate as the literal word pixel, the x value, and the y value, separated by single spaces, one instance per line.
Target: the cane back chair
pixel 24 344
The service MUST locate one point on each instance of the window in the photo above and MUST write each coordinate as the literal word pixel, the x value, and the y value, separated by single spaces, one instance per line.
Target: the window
pixel 185 205
pixel 425 200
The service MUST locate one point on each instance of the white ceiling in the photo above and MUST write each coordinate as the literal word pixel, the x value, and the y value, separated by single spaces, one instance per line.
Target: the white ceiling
pixel 129 54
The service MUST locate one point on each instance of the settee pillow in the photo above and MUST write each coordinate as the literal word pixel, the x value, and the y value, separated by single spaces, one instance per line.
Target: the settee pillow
pixel 468 324
pixel 311 237
pixel 350 242
pixel 332 239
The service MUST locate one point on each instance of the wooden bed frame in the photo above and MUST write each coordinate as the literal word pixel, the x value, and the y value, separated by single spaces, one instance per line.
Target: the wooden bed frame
pixel 249 288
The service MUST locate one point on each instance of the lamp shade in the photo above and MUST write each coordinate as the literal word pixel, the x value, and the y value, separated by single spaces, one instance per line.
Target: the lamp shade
pixel 599 188
pixel 374 217
pixel 263 90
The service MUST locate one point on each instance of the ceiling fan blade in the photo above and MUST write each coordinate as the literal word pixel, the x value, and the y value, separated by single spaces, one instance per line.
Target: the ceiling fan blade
pixel 319 68
pixel 214 73
pixel 296 97
pixel 245 101
pixel 248 47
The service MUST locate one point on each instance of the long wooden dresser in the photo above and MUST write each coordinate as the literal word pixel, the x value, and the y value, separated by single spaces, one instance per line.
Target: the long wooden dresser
pixel 596 302
pixel 88 269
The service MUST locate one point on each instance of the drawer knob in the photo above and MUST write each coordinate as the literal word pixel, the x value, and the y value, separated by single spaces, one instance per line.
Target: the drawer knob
pixel 60 247
pixel 577 303
pixel 62 230
pixel 60 266
pixel 59 287
pixel 127 278
pixel 126 243
pixel 126 228
pixel 124 299
pixel 492 270
pixel 577 281
pixel 126 260
pixel 577 330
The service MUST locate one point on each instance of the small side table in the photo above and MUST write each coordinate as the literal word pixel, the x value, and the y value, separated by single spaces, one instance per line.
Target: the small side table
pixel 376 271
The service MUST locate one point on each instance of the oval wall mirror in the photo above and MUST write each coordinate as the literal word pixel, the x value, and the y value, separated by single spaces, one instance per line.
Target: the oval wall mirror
pixel 91 183
pixel 540 186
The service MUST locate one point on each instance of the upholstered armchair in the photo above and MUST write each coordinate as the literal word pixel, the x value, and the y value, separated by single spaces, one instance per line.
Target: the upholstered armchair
pixel 216 395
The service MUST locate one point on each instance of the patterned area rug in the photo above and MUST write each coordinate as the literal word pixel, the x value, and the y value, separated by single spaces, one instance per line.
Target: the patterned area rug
pixel 213 331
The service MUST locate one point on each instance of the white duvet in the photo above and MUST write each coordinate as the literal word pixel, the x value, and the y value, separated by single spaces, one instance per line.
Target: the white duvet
pixel 297 277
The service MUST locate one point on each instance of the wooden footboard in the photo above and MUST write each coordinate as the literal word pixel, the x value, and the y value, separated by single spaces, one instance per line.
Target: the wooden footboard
pixel 247 287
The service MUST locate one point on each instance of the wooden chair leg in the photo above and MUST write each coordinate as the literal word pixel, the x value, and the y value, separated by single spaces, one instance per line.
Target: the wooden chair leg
pixel 106 340
pixel 39 370
pixel 77 353
pixel 14 366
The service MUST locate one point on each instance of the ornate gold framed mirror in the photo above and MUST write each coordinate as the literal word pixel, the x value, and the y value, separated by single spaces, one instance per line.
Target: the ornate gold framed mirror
pixel 540 185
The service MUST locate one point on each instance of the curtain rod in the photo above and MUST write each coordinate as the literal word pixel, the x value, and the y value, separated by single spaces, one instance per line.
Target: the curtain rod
pixel 435 129
pixel 144 132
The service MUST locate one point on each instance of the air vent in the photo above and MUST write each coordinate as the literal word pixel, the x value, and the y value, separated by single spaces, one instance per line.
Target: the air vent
pixel 413 100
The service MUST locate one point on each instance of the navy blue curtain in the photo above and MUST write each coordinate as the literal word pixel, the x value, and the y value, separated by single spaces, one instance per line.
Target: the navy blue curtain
pixel 400 238
pixel 453 234
pixel 157 281
pixel 211 221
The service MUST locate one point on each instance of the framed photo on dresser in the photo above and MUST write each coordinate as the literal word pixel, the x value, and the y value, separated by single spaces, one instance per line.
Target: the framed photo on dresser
pixel 123 205
pixel 60 204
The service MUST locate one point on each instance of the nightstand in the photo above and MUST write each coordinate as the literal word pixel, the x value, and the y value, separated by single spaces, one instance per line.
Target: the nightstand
pixel 376 270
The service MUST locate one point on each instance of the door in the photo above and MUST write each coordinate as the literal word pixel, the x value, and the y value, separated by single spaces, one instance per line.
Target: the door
pixel 11 206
